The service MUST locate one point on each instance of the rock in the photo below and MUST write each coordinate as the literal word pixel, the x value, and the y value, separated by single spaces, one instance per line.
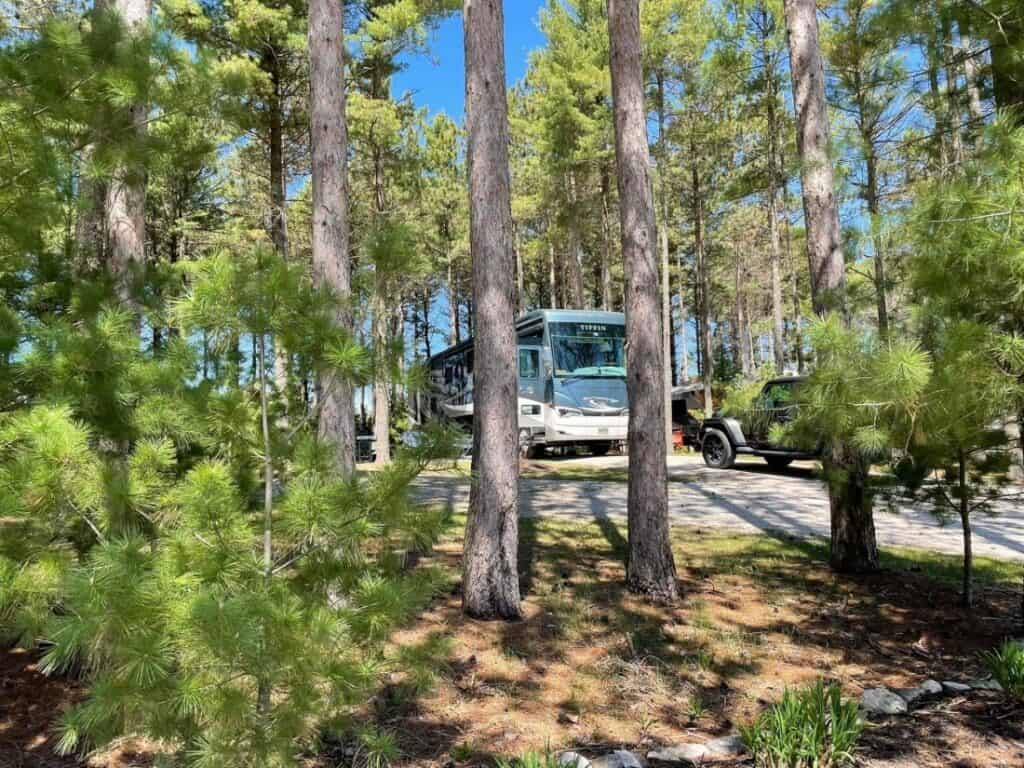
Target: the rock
pixel 882 701
pixel 924 690
pixel 951 687
pixel 726 746
pixel 573 760
pixel 698 754
pixel 687 754
pixel 620 758
pixel 987 684
pixel 568 718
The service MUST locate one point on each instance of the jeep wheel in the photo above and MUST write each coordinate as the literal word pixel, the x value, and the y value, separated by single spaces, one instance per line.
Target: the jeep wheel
pixel 778 462
pixel 717 450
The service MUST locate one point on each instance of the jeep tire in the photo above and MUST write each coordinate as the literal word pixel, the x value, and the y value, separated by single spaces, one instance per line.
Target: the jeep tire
pixel 716 449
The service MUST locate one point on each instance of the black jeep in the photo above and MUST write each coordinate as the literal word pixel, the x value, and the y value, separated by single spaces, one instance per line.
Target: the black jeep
pixel 722 439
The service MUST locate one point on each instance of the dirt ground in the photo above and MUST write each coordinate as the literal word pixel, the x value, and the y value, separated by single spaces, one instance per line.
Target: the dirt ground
pixel 591 667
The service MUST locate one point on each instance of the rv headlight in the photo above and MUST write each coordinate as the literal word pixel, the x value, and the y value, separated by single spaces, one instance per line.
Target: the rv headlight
pixel 568 413
pixel 529 410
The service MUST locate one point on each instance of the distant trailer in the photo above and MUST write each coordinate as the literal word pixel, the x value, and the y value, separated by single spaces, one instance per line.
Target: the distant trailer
pixel 571 366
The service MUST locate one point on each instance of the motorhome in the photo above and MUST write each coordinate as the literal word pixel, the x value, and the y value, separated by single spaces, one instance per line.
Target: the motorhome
pixel 571 367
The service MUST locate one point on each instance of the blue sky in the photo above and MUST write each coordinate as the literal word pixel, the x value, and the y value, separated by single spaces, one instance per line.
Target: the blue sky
pixel 438 81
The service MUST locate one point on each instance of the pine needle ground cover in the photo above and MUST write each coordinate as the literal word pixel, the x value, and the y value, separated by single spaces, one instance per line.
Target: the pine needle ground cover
pixel 590 666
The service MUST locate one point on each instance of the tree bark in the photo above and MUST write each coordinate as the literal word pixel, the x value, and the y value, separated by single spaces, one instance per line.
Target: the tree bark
pixel 853 545
pixel 666 289
pixel 574 257
pixel 453 300
pixel 972 75
pixel 967 595
pixel 684 344
pixel 520 279
pixel 331 268
pixel 278 203
pixel 871 195
pixel 742 334
pixel 703 290
pixel 125 204
pixel 552 283
pixel 650 567
pixel 793 263
pixel 824 239
pixel 380 328
pixel 773 130
pixel 490 574
pixel 952 94
pixel 606 251
pixel 852 521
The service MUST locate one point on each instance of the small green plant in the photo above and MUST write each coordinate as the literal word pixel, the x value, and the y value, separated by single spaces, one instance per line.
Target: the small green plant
pixel 531 759
pixel 702 659
pixel 1007 666
pixel 695 708
pixel 377 749
pixel 809 727
pixel 462 752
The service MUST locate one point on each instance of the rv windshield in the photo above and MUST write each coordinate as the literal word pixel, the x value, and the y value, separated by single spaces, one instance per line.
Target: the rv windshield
pixel 588 349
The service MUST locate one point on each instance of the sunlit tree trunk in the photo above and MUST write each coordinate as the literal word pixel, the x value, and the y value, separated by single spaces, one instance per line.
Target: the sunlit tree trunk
pixel 125 204
pixel 520 279
pixel 278 201
pixel 574 255
pixel 329 141
pixel 666 289
pixel 972 75
pixel 606 251
pixel 703 289
pixel 821 211
pixel 552 282
pixel 490 576
pixel 742 332
pixel 853 546
pixel 650 567
pixel 453 301
pixel 684 342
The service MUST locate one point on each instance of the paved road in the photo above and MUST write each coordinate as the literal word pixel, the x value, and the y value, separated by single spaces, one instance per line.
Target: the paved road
pixel 747 499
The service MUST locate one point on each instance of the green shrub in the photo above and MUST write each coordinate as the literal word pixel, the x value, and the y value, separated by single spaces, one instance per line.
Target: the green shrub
pixel 1007 666
pixel 531 759
pixel 808 728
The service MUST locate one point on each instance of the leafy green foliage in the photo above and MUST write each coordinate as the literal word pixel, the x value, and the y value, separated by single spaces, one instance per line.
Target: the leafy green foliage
pixel 811 727
pixel 1006 664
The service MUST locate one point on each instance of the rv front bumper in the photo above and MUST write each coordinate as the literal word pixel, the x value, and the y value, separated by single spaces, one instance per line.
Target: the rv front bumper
pixel 564 431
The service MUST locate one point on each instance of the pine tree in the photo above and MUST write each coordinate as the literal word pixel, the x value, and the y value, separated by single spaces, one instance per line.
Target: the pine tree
pixel 330 205
pixel 650 567
pixel 490 576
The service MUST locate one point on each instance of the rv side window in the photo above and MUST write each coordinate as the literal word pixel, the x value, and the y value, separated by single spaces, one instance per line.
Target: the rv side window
pixel 529 364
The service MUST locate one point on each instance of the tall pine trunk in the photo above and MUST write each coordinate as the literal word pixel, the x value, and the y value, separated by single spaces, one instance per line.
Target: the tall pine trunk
pixel 852 523
pixel 774 129
pixel 684 356
pixel 331 267
pixel 871 195
pixel 490 578
pixel 972 75
pixel 707 367
pixel 650 567
pixel 824 239
pixel 278 200
pixel 607 245
pixel 666 288
pixel 574 256
pixel 125 204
